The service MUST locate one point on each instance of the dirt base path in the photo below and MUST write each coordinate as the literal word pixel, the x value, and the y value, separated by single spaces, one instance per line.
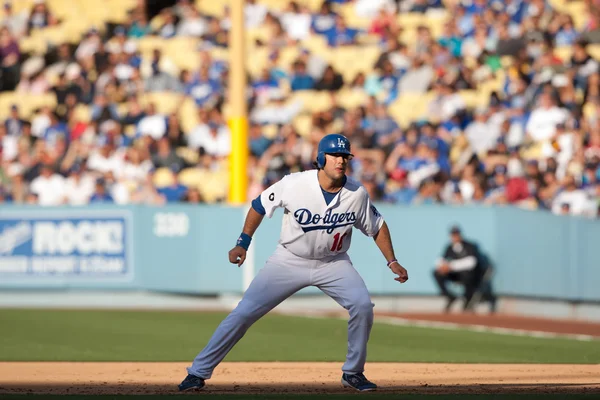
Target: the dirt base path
pixel 559 326
pixel 162 378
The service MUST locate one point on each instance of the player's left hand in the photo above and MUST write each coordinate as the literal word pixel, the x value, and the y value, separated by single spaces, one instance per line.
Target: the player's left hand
pixel 400 271
pixel 237 255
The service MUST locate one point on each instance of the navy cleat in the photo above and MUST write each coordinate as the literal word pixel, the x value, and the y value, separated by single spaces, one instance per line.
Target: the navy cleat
pixel 358 382
pixel 191 382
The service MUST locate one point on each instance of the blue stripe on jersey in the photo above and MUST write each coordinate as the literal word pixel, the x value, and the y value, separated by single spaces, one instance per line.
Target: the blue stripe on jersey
pixel 258 207
pixel 328 196
pixel 329 228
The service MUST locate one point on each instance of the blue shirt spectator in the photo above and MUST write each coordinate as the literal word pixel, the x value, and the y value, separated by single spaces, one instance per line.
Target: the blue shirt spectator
pixel 101 195
pixel 203 89
pixel 173 193
pixel 340 34
pixel 324 21
pixel 301 80
pixel 55 131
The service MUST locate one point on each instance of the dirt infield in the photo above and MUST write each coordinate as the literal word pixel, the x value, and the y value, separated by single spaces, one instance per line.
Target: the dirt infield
pixel 507 321
pixel 162 378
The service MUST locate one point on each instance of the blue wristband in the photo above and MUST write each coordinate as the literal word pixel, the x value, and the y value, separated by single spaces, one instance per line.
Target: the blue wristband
pixel 244 241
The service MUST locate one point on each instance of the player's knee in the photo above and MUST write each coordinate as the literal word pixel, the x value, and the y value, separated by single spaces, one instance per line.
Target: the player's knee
pixel 363 309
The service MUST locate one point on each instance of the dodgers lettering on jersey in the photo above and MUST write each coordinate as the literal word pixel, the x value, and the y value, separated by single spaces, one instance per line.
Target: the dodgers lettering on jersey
pixel 330 220
pixel 313 229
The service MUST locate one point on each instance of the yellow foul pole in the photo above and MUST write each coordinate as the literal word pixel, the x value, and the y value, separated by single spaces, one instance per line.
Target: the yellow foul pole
pixel 238 122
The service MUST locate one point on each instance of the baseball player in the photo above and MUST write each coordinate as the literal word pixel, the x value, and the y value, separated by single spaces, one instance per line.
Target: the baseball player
pixel 321 206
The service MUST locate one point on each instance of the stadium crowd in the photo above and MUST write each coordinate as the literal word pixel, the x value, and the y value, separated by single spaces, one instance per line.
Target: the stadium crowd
pixel 534 141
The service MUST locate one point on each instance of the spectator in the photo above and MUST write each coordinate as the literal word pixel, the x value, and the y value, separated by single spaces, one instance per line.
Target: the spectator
pixel 301 80
pixel 40 16
pixel 191 23
pixel 140 27
pixel 166 157
pixel 49 187
pixel 542 122
pixel 152 124
pixel 79 186
pixel 331 80
pixel 14 123
pixel 315 64
pixel 204 90
pixel 258 142
pixel 399 191
pixel 571 200
pixel 159 80
pixel 10 55
pixel 102 110
pixel 325 20
pixel 175 192
pixel 100 194
pixel 16 23
pixel 341 35
pixel 216 140
pixel 215 35
pixel 384 22
pixel 254 13
pixel 296 21
pixel 168 28
pixel 193 196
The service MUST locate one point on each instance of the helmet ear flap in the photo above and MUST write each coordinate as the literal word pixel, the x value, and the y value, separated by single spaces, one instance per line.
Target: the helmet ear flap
pixel 321 159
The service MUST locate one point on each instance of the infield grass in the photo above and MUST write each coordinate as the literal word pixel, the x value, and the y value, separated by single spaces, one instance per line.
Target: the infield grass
pixel 98 335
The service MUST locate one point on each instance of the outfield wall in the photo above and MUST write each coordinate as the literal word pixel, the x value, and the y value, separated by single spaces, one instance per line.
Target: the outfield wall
pixel 183 249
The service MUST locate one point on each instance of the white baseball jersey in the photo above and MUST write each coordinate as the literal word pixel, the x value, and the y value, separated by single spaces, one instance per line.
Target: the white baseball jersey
pixel 313 229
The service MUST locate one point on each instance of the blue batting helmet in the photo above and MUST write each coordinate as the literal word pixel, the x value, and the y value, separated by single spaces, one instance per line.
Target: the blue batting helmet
pixel 332 144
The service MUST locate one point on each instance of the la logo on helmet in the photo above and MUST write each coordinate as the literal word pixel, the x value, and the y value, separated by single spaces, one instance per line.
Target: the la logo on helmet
pixel 341 143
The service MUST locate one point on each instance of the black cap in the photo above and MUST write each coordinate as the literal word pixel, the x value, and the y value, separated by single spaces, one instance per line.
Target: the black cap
pixel 455 230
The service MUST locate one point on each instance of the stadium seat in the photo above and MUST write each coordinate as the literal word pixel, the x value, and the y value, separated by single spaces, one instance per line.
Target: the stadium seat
pixel 270 131
pixel 82 113
pixel 27 103
pixel 313 100
pixel 190 156
pixel 348 12
pixel 350 60
pixel 472 98
pixel 214 8
pixel 349 98
pixel 188 114
pixel 166 102
pixel 163 177
pixel 410 107
pixel 577 10
pixel 303 125
pixel 215 186
pixel 563 52
pixel 317 44
pixel 191 177
pixel 594 51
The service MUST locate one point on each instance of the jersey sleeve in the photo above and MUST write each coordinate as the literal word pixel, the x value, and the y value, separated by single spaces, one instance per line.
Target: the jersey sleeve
pixel 273 197
pixel 370 220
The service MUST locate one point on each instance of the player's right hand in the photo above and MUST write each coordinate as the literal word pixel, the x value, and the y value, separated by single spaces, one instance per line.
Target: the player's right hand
pixel 237 255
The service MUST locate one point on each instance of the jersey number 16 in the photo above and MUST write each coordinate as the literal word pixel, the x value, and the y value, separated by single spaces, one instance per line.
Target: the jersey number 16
pixel 338 241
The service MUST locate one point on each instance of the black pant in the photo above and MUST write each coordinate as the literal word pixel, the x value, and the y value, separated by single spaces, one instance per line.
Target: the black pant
pixel 469 279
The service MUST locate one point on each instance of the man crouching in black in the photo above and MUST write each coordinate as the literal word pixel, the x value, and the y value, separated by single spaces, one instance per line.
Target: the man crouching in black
pixel 458 264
